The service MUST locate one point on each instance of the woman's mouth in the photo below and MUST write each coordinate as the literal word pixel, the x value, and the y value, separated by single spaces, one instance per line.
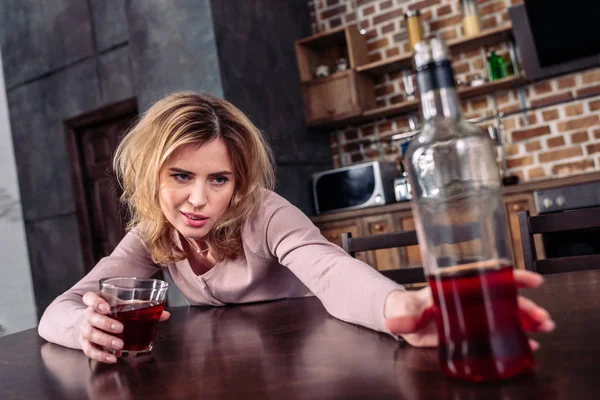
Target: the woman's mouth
pixel 194 220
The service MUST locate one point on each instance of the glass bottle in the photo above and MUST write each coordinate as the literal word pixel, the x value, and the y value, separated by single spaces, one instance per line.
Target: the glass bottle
pixel 463 234
pixel 509 68
pixel 495 66
pixel 413 27
pixel 471 22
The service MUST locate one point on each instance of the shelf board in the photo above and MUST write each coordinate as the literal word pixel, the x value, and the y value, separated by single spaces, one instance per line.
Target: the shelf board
pixel 394 109
pixel 371 115
pixel 413 105
pixel 485 38
pixel 491 87
pixel 333 37
pixel 397 63
pixel 333 76
pixel 387 66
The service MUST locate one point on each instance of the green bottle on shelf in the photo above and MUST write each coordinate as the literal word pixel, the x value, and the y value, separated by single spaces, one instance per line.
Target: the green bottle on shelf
pixel 495 66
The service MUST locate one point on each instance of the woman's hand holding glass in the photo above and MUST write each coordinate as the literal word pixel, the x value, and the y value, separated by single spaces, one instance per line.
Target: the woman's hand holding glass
pixel 97 329
pixel 410 313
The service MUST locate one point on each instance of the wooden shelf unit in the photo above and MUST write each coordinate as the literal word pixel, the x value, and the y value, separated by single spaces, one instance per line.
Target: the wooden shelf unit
pixel 347 40
pixel 325 48
pixel 342 94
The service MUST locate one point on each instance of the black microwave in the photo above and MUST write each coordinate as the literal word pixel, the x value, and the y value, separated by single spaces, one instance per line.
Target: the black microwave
pixel 357 186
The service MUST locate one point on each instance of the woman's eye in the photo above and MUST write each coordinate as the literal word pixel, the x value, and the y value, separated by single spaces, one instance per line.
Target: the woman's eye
pixel 181 177
pixel 220 180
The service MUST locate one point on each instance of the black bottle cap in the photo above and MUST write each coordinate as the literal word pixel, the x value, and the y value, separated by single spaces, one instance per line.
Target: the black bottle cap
pixel 434 70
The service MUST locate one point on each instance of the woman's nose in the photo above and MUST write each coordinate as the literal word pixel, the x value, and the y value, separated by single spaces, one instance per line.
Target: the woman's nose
pixel 198 197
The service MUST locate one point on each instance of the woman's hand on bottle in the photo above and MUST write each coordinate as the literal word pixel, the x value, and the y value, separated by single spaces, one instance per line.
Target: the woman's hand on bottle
pixel 97 329
pixel 410 313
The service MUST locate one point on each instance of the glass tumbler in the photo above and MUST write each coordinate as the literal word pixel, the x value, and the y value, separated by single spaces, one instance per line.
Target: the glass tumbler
pixel 137 303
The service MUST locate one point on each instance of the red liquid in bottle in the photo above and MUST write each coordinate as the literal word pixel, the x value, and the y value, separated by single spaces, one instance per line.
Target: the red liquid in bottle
pixel 480 333
pixel 139 323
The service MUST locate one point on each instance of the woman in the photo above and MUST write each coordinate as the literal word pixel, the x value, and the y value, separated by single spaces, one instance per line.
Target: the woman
pixel 197 177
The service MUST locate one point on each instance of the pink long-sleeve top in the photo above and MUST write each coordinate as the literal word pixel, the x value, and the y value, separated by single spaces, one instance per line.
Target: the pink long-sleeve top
pixel 284 255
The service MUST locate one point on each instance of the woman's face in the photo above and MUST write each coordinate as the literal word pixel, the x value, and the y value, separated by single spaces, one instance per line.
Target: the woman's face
pixel 196 185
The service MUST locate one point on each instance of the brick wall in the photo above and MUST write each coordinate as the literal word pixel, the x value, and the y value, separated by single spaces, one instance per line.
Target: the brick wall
pixel 549 142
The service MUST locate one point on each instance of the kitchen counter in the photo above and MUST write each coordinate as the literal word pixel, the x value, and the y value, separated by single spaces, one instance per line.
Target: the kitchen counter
pixel 525 187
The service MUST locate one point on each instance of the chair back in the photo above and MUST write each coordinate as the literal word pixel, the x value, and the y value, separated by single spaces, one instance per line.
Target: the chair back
pixel 557 222
pixel 385 241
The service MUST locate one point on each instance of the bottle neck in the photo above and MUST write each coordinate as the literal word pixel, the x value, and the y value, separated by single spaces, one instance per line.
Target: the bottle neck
pixel 440 103
pixel 438 92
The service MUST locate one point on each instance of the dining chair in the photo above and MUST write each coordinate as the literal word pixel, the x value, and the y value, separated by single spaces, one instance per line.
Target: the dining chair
pixel 385 241
pixel 557 222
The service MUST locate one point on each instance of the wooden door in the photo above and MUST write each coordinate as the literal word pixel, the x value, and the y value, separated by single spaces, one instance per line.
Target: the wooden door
pixel 92 140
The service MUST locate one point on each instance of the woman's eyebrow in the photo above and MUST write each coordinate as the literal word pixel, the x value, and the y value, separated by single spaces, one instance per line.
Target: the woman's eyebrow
pixel 181 171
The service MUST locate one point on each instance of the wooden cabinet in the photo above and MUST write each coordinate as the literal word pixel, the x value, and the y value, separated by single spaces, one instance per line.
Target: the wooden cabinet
pixel 383 259
pixel 333 232
pixel 343 94
pixel 328 47
pixel 386 221
pixel 398 217
pixel 336 97
pixel 410 256
pixel 403 221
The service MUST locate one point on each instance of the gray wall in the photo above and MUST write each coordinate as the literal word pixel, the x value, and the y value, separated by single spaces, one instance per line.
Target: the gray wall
pixel 17 307
pixel 63 58
pixel 172 48
pixel 255 41
pixel 60 61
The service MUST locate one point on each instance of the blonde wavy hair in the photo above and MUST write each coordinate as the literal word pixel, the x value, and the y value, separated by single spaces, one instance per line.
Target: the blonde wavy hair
pixel 179 119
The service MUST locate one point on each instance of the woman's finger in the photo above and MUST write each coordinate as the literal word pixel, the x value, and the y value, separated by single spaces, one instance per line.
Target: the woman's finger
pixel 103 322
pixel 534 345
pixel 96 302
pixel 409 323
pixel 425 337
pixel 164 316
pixel 100 338
pixel 527 279
pixel 95 353
pixel 533 317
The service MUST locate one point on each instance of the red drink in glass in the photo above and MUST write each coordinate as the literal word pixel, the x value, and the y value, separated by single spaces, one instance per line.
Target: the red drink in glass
pixel 480 333
pixel 139 323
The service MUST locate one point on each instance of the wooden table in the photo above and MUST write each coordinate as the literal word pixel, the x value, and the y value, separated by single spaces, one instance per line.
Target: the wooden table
pixel 292 349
